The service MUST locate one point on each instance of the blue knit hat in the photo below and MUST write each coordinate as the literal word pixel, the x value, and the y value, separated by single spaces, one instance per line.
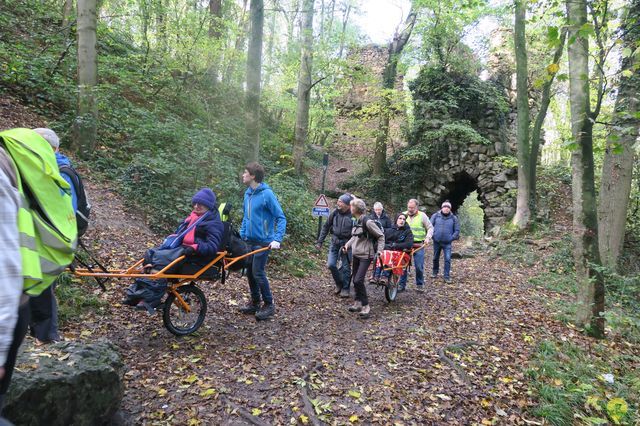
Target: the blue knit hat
pixel 206 197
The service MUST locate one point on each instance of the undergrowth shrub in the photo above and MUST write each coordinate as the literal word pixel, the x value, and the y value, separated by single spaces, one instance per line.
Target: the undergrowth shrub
pixel 588 387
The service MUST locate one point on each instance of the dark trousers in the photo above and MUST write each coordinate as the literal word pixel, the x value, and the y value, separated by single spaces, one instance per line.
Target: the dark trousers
pixel 446 248
pixel 360 268
pixel 18 336
pixel 341 276
pixel 257 275
pixel 44 316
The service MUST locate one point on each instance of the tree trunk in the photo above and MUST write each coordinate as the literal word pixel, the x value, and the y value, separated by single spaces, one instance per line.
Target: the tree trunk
pixel 617 169
pixel 345 20
pixel 388 83
pixel 215 14
pixel 254 65
pixel 228 75
pixel 87 114
pixel 161 26
pixel 215 32
pixel 67 10
pixel 523 214
pixel 304 86
pixel 590 294
pixel 536 131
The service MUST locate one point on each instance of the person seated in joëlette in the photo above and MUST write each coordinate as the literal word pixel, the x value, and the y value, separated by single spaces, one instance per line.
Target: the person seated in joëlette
pixel 202 241
pixel 198 238
pixel 396 239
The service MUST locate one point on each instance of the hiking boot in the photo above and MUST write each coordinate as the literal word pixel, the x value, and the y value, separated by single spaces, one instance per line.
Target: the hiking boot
pixel 420 288
pixel 401 289
pixel 344 292
pixel 447 280
pixel 434 275
pixel 250 308
pixel 337 290
pixel 129 301
pixel 365 312
pixel 373 281
pixel 356 307
pixel 267 311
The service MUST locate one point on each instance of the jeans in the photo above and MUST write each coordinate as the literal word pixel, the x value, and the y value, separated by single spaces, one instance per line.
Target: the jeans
pixel 258 282
pixel 418 264
pixel 342 275
pixel 446 247
pixel 360 268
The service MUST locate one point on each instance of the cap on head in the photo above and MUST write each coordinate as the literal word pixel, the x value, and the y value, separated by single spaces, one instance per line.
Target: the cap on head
pixel 346 198
pixel 50 136
pixel 446 204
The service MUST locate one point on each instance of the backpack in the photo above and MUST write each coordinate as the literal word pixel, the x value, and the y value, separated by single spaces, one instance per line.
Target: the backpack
pixel 84 207
pixel 365 230
pixel 235 246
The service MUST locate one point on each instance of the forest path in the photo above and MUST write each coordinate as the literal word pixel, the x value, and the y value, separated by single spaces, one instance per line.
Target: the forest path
pixel 386 369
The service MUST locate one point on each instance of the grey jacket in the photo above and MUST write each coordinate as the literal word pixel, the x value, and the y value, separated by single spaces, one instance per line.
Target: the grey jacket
pixel 361 246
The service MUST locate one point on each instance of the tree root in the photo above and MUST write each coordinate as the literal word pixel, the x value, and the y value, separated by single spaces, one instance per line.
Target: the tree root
pixel 443 357
pixel 308 405
pixel 256 421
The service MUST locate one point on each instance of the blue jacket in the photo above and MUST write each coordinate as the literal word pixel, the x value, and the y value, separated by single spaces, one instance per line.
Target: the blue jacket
pixel 263 220
pixel 446 228
pixel 208 234
pixel 62 160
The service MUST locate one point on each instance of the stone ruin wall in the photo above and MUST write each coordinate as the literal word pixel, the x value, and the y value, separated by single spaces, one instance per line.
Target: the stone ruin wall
pixel 355 136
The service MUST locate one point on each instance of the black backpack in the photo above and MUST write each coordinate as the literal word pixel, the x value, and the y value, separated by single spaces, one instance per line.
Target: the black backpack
pixel 84 208
pixel 235 246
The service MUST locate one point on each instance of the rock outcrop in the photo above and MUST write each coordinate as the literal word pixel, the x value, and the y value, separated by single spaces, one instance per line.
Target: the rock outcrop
pixel 66 383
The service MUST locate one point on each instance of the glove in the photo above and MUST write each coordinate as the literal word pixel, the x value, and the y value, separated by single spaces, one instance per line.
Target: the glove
pixel 189 251
pixel 318 246
pixel 274 245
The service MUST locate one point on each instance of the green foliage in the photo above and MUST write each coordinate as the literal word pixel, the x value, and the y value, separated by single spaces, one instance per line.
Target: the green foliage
pixel 75 298
pixel 471 217
pixel 165 130
pixel 573 384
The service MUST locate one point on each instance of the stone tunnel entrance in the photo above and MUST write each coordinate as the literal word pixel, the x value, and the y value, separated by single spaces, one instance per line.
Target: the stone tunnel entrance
pixel 458 190
pixel 473 168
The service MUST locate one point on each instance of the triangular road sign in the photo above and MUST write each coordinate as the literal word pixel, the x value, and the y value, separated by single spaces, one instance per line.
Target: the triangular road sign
pixel 321 201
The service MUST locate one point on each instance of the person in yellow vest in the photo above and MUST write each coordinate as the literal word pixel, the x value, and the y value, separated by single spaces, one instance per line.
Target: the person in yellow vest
pixel 422 231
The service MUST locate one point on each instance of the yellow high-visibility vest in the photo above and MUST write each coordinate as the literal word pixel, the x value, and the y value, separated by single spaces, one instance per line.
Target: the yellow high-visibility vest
pixel 46 220
pixel 417 228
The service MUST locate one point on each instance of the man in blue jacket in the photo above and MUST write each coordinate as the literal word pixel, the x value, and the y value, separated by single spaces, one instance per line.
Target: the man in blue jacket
pixel 446 229
pixel 263 225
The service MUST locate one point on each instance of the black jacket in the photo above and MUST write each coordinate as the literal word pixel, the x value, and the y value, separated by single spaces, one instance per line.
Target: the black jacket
pixel 384 219
pixel 398 238
pixel 339 225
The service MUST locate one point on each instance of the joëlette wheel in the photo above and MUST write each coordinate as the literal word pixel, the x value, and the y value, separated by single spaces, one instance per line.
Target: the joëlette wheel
pixel 176 318
pixel 391 289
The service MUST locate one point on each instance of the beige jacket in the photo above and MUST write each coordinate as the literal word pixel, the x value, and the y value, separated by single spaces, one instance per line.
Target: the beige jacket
pixel 361 246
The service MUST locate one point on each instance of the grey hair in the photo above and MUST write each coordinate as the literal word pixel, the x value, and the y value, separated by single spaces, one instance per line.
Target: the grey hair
pixel 359 204
pixel 378 205
pixel 413 200
pixel 50 136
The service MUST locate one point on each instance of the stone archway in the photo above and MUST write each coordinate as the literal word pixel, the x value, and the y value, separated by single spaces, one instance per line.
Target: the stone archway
pixel 473 168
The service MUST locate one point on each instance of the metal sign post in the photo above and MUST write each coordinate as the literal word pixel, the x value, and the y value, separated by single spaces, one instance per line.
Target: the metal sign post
pixel 325 165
